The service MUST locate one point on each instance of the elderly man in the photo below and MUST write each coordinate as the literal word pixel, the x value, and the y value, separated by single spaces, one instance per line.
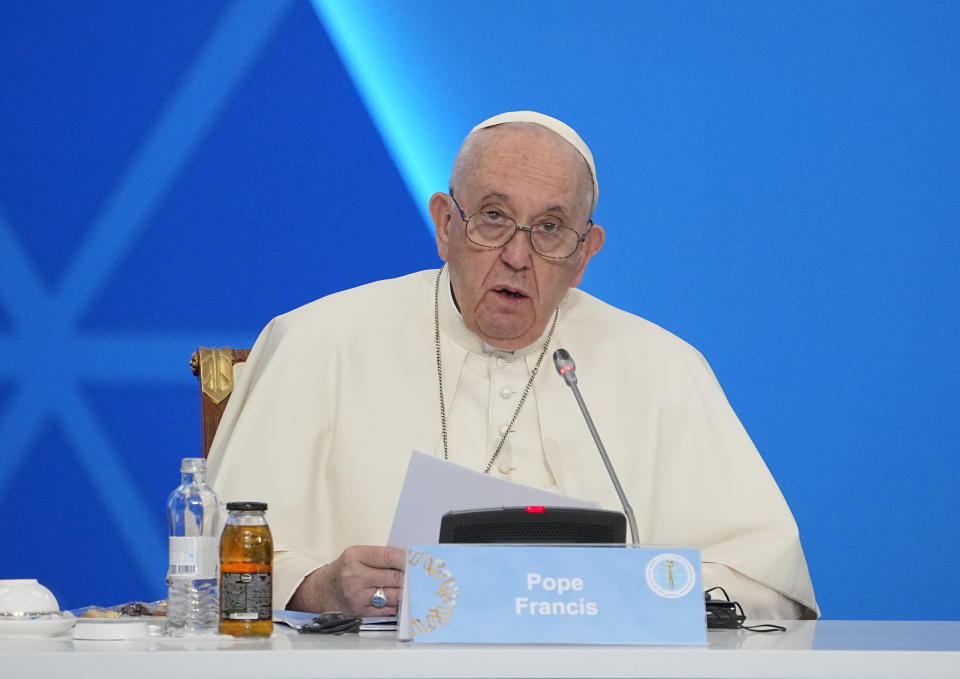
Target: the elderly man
pixel 337 393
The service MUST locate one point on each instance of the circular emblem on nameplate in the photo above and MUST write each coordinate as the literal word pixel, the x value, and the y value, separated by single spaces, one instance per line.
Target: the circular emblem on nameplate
pixel 670 576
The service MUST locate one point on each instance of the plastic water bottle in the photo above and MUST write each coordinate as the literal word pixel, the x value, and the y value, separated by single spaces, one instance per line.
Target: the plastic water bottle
pixel 193 605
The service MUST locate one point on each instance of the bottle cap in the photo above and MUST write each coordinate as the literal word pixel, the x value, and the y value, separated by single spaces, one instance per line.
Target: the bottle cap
pixel 193 464
pixel 247 506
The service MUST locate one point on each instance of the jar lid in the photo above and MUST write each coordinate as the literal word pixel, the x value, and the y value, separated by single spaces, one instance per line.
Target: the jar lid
pixel 247 506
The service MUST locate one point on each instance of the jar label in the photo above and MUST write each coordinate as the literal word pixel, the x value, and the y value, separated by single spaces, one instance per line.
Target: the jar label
pixel 246 596
pixel 196 557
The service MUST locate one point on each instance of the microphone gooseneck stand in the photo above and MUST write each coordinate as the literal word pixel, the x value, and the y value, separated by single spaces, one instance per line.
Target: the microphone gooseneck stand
pixel 568 371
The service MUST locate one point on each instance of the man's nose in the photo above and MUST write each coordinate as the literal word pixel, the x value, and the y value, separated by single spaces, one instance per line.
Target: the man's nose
pixel 518 253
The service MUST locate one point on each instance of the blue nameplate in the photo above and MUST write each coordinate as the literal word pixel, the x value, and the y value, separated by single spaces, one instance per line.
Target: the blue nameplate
pixel 522 594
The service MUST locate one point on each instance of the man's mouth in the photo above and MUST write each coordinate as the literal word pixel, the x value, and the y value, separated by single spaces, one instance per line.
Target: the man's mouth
pixel 511 294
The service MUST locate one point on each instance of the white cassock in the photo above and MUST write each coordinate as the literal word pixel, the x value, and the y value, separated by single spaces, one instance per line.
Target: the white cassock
pixel 336 394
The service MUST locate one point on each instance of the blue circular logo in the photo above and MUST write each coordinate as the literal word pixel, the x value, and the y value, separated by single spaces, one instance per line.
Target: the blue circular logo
pixel 670 576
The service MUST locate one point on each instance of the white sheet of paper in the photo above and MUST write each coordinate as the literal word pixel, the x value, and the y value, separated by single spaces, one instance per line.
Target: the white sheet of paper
pixel 433 487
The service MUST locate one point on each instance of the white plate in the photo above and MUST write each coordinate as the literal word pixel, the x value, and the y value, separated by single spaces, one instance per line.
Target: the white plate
pixel 37 627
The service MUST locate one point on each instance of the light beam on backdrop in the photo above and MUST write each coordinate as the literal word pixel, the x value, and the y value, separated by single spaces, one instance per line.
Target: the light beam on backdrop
pixel 412 140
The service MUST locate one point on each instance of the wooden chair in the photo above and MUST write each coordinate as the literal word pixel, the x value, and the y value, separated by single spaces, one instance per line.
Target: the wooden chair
pixel 216 372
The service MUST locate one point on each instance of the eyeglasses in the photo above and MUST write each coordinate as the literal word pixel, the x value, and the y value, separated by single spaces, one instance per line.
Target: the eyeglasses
pixel 493 229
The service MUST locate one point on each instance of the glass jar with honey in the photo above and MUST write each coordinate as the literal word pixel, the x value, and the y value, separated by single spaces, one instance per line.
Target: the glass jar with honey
pixel 246 572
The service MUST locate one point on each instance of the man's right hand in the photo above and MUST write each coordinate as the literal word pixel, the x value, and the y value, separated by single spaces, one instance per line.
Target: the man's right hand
pixel 349 583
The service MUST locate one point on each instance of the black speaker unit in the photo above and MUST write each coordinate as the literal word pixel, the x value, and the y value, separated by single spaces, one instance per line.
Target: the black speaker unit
pixel 534 524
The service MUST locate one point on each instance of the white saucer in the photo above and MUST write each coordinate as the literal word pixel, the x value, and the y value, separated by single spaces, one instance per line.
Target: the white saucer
pixel 47 626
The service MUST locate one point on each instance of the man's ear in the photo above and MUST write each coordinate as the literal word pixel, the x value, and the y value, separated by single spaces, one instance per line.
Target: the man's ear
pixel 439 207
pixel 590 247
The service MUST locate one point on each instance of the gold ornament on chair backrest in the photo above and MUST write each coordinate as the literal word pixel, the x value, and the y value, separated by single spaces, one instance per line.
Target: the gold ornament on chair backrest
pixel 216 373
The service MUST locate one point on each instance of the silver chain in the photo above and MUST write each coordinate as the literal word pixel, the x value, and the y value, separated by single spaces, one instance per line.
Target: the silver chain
pixel 526 389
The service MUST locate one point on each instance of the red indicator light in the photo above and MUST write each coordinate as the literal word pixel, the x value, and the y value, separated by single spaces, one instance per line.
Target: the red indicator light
pixel 534 510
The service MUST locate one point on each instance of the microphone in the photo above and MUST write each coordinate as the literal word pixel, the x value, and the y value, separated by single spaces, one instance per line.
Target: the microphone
pixel 568 371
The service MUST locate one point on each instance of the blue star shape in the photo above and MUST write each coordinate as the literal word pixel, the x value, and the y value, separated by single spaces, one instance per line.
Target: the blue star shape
pixel 47 356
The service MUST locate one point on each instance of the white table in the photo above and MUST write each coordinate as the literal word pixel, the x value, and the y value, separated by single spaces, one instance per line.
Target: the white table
pixel 826 648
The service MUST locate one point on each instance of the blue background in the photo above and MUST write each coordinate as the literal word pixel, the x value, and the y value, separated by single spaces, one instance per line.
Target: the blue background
pixel 779 183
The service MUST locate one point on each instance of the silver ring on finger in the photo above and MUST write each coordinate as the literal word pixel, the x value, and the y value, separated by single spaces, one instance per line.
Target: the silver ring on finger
pixel 379 598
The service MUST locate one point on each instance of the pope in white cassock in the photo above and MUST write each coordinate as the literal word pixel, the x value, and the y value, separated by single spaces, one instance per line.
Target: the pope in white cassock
pixel 336 394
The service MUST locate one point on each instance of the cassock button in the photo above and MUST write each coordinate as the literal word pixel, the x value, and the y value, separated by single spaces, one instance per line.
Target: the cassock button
pixel 506 392
pixel 503 429
pixel 504 467
pixel 501 363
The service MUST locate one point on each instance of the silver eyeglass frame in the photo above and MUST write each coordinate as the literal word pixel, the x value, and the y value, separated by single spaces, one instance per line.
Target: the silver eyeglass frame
pixel 581 238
